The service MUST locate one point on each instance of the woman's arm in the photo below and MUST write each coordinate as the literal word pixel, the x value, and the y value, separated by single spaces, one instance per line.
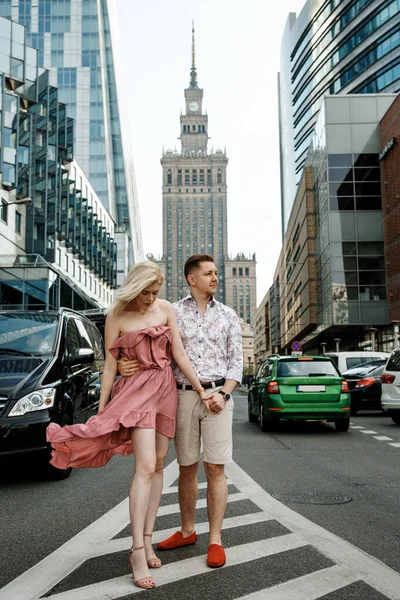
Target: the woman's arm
pixel 179 354
pixel 111 333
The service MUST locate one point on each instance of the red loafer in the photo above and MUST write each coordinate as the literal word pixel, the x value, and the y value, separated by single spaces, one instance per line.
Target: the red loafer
pixel 216 556
pixel 176 541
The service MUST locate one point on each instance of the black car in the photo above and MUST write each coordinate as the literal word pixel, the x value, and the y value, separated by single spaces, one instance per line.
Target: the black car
pixel 48 361
pixel 365 386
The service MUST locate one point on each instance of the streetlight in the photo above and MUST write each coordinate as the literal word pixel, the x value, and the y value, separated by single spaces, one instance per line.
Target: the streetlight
pixel 337 342
pixel 396 334
pixel 373 331
pixel 324 345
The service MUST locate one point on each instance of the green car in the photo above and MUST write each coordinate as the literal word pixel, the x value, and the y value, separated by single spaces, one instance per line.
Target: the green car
pixel 299 387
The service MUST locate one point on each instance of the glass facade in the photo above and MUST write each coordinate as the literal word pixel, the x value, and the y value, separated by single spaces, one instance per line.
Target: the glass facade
pixel 37 151
pixel 350 264
pixel 74 41
pixel 333 47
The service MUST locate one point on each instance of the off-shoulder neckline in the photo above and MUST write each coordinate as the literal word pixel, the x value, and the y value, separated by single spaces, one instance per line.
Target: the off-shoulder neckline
pixel 144 329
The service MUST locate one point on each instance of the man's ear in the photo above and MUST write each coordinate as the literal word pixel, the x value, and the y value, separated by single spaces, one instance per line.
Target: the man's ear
pixel 191 279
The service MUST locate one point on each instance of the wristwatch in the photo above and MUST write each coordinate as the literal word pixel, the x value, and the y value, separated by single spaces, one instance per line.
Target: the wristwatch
pixel 225 395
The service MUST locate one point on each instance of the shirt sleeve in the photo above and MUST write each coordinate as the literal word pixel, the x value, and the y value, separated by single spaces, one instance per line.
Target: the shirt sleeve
pixel 235 351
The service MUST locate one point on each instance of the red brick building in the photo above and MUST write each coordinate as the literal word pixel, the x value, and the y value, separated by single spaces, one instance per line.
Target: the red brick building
pixel 389 131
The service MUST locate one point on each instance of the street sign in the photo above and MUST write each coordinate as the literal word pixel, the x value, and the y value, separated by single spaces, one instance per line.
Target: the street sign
pixel 296 346
pixel 298 353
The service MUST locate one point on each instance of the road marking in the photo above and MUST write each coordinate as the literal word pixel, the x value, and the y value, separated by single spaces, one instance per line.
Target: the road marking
pixel 356 427
pixel 171 509
pixel 308 587
pixel 395 445
pixel 120 544
pixel 41 578
pixel 370 431
pixel 97 540
pixel 364 566
pixel 122 586
pixel 383 438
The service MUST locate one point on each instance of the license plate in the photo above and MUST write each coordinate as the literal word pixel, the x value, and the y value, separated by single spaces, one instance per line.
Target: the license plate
pixel 310 388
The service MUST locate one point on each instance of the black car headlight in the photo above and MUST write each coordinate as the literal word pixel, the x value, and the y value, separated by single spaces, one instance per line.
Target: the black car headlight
pixel 38 400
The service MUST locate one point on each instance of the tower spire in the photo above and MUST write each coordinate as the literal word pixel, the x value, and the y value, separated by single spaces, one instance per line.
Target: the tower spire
pixel 193 72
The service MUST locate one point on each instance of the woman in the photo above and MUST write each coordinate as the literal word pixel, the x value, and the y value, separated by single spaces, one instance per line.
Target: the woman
pixel 140 418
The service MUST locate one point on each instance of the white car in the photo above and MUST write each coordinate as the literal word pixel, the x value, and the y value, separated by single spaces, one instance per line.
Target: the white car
pixel 390 399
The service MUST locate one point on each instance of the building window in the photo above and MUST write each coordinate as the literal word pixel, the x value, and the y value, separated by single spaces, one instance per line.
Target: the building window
pixel 234 271
pixel 240 272
pixel 187 182
pixel 201 176
pixel 246 271
pixel 194 177
pixel 169 177
pixel 18 221
pixel 4 211
pixel 219 176
pixel 209 177
pixel 179 177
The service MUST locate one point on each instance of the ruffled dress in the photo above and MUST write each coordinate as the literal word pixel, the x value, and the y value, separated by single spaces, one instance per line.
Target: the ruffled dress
pixel 148 399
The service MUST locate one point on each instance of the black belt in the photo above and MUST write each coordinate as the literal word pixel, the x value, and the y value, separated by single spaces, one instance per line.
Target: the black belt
pixel 209 384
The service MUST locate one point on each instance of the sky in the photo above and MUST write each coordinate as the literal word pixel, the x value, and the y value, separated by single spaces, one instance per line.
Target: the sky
pixel 237 59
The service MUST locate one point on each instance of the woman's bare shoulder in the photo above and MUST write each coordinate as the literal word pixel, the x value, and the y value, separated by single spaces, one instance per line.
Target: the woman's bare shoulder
pixel 165 305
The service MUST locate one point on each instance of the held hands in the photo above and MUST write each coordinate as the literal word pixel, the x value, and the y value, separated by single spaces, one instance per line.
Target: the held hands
pixel 127 367
pixel 213 402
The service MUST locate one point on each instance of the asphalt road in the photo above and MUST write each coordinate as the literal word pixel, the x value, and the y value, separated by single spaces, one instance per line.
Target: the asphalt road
pixel 74 534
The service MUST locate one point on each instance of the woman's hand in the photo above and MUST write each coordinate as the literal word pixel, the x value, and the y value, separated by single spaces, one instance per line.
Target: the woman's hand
pixel 205 398
pixel 127 367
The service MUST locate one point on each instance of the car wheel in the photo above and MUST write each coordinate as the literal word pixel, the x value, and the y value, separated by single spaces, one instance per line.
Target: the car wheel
pixel 252 418
pixel 342 424
pixel 53 472
pixel 395 418
pixel 265 425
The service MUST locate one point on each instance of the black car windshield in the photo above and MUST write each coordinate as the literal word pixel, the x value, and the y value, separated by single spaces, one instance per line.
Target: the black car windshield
pixel 394 361
pixel 27 333
pixel 306 368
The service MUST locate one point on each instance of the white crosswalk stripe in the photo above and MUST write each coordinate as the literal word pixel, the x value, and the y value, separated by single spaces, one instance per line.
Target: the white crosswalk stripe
pixel 350 565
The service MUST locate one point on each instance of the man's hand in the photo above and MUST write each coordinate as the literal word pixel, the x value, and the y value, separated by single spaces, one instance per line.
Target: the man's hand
pixel 127 367
pixel 215 402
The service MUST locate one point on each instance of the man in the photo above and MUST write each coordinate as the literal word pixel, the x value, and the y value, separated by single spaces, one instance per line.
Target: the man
pixel 212 338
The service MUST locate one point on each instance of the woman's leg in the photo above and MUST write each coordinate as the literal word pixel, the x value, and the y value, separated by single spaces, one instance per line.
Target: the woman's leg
pixel 144 450
pixel 162 444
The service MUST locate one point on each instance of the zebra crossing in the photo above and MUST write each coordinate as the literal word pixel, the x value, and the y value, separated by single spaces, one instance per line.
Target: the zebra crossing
pixel 273 553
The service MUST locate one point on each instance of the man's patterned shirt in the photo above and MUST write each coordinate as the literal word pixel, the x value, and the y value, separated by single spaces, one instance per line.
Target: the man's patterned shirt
pixel 213 341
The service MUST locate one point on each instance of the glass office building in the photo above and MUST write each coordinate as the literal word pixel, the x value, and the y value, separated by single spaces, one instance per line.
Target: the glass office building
pixel 74 40
pixel 70 252
pixel 349 236
pixel 332 47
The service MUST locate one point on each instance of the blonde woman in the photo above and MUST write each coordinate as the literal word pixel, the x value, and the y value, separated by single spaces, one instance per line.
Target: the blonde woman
pixel 140 417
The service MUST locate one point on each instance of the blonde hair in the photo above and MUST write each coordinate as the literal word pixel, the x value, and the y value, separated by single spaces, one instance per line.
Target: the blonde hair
pixel 139 277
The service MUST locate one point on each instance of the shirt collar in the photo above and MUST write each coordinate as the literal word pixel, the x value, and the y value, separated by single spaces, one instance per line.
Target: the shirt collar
pixel 190 298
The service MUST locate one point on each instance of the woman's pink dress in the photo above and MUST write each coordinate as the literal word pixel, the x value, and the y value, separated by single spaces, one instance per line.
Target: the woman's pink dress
pixel 148 400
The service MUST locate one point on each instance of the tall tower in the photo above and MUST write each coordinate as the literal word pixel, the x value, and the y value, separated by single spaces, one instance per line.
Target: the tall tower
pixel 75 41
pixel 194 196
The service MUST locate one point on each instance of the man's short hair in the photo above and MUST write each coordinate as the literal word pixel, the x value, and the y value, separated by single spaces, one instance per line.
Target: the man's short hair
pixel 194 261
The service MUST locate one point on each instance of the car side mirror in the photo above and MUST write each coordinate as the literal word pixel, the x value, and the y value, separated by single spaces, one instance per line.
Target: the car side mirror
pixel 81 356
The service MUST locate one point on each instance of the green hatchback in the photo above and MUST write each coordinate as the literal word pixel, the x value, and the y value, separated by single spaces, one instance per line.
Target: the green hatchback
pixel 299 387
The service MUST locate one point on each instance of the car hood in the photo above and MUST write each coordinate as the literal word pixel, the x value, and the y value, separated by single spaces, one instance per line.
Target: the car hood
pixel 19 375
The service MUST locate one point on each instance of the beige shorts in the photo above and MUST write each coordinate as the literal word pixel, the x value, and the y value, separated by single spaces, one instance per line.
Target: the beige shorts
pixel 194 425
